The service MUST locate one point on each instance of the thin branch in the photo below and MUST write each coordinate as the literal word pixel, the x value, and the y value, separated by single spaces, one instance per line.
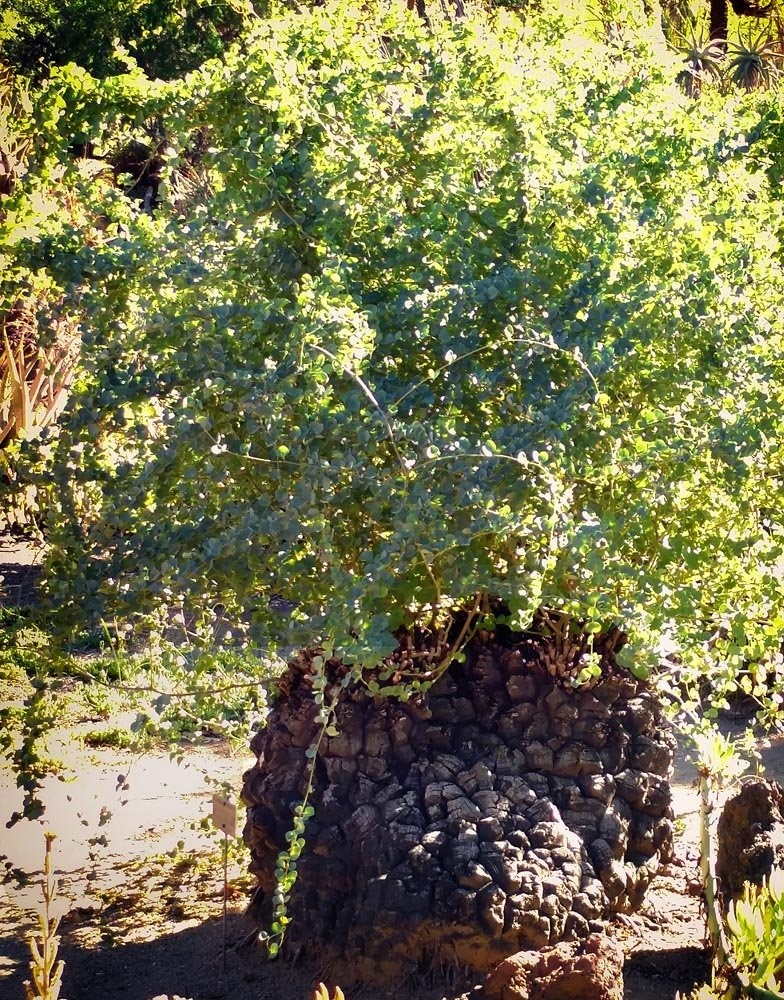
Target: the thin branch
pixel 150 689
pixel 528 341
pixel 369 393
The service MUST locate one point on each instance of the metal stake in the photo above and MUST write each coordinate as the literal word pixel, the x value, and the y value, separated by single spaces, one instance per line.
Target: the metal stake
pixel 225 892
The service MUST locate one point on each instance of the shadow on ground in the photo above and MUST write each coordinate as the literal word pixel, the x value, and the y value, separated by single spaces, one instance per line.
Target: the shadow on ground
pixel 20 571
pixel 657 974
pixel 187 963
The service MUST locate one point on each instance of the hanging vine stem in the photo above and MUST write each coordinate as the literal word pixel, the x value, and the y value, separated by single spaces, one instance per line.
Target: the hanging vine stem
pixel 286 865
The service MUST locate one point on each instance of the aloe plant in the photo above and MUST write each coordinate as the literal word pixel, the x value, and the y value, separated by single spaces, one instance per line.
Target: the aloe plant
pixel 752 63
pixel 33 380
pixel 14 147
pixel 703 59
pixel 33 383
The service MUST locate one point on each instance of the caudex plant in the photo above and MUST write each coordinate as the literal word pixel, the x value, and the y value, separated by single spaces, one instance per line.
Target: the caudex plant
pixel 459 316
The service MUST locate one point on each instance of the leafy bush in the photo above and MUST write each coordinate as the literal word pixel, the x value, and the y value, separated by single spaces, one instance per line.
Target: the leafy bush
pixel 167 39
pixel 455 315
pixel 752 62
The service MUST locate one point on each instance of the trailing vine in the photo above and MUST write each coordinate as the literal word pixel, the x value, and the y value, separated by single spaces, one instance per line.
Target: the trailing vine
pixel 286 867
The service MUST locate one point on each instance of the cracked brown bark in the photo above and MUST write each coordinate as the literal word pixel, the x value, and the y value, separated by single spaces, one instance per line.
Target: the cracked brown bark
pixel 719 21
pixel 719 16
pixel 502 810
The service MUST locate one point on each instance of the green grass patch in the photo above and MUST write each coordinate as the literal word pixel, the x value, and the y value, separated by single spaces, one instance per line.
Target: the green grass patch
pixel 119 739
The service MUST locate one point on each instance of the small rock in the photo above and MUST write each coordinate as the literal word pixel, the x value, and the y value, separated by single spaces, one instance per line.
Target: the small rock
pixel 586 906
pixel 576 759
pixel 463 710
pixel 639 714
pixel 650 793
pixel 591 969
pixel 508 761
pixel 522 687
pixel 491 803
pixel 490 904
pixel 652 755
pixel 489 829
pixel 479 778
pixel 518 839
pixel 615 879
pixel 475 876
pixel 576 926
pixel 516 790
pixel 360 823
pixel 539 757
pixel 459 852
pixel 598 786
pixel 614 826
pixel 530 926
pixel 463 808
pixel 543 811
pixel 434 840
pixel 462 906
pixel 374 767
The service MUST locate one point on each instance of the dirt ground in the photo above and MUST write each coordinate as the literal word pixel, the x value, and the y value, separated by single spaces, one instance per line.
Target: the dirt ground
pixel 142 904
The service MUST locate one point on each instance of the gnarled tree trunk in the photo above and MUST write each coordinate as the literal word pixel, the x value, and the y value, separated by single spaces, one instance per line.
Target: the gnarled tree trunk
pixel 502 810
pixel 719 15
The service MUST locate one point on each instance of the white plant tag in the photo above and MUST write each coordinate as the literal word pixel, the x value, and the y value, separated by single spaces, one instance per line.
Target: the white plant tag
pixel 224 815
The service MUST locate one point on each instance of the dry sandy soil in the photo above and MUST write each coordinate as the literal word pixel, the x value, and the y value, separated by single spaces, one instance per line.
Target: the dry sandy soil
pixel 142 911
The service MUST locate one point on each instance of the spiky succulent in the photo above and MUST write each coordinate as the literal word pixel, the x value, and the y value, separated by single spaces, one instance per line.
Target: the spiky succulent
pixel 753 61
pixel 703 59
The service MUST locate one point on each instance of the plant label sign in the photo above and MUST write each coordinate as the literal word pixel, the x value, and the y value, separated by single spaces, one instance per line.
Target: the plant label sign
pixel 224 815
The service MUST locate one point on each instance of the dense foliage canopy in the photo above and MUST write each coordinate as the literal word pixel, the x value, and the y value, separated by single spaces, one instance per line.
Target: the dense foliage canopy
pixel 167 39
pixel 422 312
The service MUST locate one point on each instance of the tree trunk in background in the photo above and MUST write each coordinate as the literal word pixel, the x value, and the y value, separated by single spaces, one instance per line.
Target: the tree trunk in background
pixel 719 17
